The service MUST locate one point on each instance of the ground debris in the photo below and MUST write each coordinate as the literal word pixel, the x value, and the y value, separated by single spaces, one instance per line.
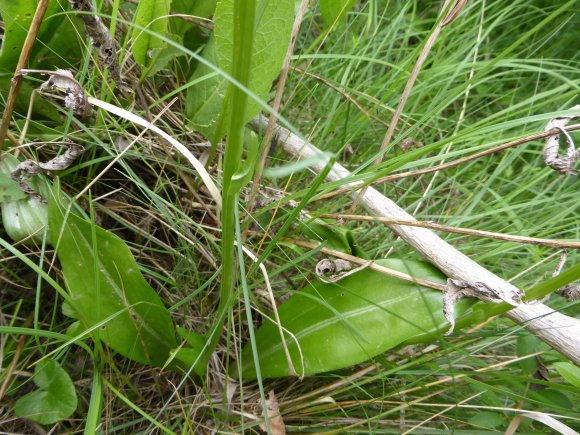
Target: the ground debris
pixel 563 163
pixel 100 37
pixel 334 270
pixel 63 85
pixel 30 168
pixel 277 426
pixel 457 289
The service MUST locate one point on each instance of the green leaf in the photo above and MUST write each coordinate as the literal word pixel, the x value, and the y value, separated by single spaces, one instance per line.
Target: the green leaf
pixel 9 189
pixel 24 219
pixel 205 98
pixel 55 398
pixel 108 291
pixel 569 371
pixel 17 16
pixel 162 57
pixel 348 322
pixel 487 420
pixel 334 11
pixel 273 27
pixel 196 8
pixel 153 15
pixel 527 344
pixel 334 236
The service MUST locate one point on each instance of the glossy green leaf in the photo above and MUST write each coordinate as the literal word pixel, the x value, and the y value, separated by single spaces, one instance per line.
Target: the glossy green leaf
pixel 153 15
pixel 17 16
pixel 273 27
pixel 107 290
pixel 334 11
pixel 569 371
pixel 24 218
pixel 54 400
pixel 350 321
pixel 9 189
pixel 333 236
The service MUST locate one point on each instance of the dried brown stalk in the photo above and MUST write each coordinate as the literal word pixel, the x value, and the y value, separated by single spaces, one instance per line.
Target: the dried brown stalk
pixel 22 61
pixel 100 37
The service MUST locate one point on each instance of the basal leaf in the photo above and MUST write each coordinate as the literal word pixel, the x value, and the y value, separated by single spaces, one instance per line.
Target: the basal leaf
pixel 9 189
pixel 153 15
pixel 273 27
pixel 348 322
pixel 17 16
pixel 570 372
pixel 196 8
pixel 54 400
pixel 205 98
pixel 23 218
pixel 334 236
pixel 334 11
pixel 108 290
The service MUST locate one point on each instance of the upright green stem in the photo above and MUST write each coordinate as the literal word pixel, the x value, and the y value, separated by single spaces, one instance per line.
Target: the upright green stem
pixel 244 15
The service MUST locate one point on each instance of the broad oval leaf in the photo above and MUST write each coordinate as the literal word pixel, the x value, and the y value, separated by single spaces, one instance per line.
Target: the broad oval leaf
pixel 54 400
pixel 348 322
pixel 273 27
pixel 107 290
pixel 152 15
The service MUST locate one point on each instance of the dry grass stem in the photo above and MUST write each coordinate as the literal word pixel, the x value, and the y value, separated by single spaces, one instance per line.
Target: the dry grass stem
pixel 571 244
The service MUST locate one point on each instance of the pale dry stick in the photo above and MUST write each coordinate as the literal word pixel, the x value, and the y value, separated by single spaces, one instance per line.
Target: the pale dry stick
pixel 277 103
pixel 101 38
pixel 559 331
pixel 452 164
pixel 22 61
pixel 572 244
pixel 411 81
pixel 368 264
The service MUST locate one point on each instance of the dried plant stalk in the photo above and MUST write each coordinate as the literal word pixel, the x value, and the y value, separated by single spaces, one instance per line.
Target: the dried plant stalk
pixel 100 37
